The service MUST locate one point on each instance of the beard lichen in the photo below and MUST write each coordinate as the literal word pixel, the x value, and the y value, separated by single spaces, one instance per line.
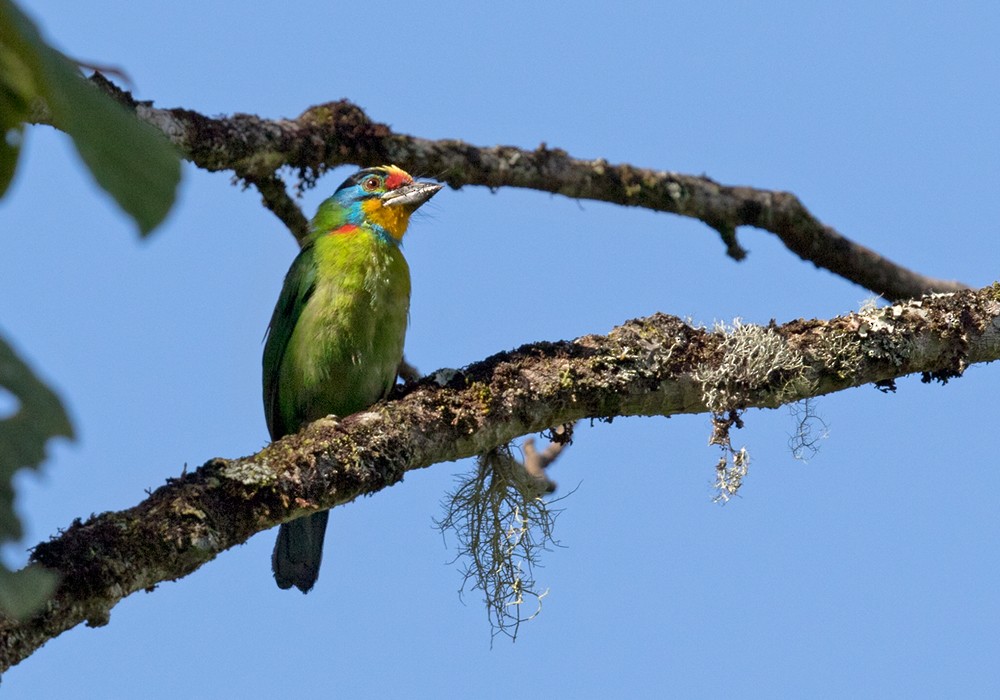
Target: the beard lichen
pixel 502 522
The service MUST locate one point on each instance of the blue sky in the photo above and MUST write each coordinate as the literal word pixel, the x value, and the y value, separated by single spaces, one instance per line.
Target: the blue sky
pixel 869 571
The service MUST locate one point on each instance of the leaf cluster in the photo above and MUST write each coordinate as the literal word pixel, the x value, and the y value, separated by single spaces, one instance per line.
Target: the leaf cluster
pixel 130 160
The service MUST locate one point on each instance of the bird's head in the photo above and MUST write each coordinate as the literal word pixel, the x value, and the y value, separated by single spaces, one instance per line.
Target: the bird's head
pixel 382 197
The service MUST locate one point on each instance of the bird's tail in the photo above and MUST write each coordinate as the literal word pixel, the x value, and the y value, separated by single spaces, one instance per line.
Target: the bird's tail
pixel 299 550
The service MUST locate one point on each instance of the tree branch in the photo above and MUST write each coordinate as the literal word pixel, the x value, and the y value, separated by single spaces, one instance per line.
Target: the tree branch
pixel 535 463
pixel 337 133
pixel 653 366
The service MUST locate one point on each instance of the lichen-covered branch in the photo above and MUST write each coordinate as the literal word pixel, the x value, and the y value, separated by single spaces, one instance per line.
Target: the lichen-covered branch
pixel 337 133
pixel 653 366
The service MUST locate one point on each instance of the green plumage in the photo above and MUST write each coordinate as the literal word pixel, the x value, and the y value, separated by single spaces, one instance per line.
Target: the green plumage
pixel 336 337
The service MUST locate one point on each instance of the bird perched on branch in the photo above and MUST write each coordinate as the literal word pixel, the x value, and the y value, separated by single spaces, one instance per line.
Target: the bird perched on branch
pixel 335 340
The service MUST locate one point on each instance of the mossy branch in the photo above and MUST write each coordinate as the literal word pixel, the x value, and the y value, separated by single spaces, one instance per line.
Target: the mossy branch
pixel 653 366
pixel 324 136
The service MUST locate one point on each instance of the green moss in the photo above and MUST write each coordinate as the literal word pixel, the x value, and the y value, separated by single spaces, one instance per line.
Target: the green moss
pixel 483 395
pixel 566 377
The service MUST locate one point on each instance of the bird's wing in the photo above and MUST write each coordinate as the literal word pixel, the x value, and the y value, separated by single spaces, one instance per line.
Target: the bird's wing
pixel 300 282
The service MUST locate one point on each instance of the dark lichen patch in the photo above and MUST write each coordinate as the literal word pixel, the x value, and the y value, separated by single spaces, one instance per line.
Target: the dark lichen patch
pixel 886 386
pixel 749 212
pixel 802 333
pixel 661 344
pixel 941 376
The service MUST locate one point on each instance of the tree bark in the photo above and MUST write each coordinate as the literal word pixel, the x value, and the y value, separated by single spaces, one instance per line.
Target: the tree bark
pixel 338 133
pixel 653 366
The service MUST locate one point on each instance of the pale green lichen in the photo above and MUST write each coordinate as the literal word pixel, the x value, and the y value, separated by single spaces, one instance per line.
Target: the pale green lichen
pixel 730 471
pixel 884 336
pixel 249 472
pixel 502 523
pixel 839 353
pixel 443 376
pixel 751 359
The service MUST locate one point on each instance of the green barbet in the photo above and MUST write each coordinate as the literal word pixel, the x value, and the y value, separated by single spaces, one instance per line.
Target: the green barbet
pixel 335 340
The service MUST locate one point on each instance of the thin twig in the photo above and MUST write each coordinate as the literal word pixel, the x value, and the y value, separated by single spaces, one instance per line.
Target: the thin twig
pixel 535 462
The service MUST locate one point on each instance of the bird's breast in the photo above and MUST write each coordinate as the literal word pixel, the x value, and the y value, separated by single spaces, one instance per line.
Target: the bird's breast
pixel 347 345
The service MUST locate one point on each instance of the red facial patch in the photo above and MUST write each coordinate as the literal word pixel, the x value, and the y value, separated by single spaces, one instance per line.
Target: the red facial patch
pixel 396 179
pixel 346 228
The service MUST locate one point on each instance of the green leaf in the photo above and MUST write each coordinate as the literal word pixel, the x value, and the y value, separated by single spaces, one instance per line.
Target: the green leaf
pixel 10 149
pixel 131 160
pixel 39 415
pixel 17 89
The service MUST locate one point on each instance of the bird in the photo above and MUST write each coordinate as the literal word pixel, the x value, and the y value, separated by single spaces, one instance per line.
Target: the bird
pixel 335 340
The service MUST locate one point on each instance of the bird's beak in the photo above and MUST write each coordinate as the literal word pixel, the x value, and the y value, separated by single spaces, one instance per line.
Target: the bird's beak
pixel 410 196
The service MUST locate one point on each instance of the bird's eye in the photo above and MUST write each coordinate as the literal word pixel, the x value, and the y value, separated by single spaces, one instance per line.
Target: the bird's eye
pixel 371 184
